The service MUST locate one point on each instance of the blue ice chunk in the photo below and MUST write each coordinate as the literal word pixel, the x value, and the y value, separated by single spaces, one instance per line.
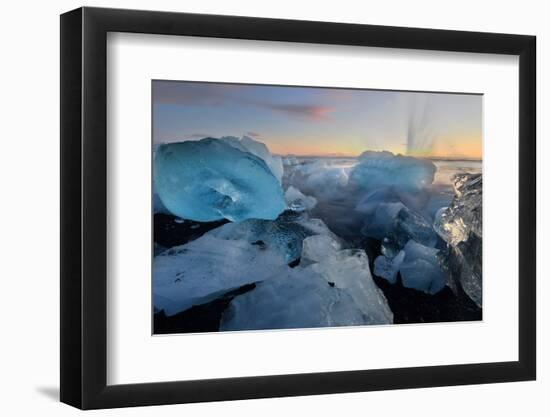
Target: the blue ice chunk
pixel 299 298
pixel 388 268
pixel 349 270
pixel 210 180
pixel 204 269
pixel 396 222
pixel 382 169
pixel 297 201
pixel 421 269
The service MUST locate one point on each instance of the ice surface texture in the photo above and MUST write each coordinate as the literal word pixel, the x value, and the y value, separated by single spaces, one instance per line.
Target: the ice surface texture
pixel 464 215
pixel 284 235
pixel 388 267
pixel 339 291
pixel 297 201
pixel 349 270
pixel 382 169
pixel 210 180
pixel 158 207
pixel 298 299
pixel 397 223
pixel 319 247
pixel 247 144
pixel 370 201
pixel 418 265
pixel 420 268
pixel 320 178
pixel 206 268
pixel 460 225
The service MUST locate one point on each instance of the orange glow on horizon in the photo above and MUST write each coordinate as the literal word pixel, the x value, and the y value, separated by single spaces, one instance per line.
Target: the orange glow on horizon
pixel 456 147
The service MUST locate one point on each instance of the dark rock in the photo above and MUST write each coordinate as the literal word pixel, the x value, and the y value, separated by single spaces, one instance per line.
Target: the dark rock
pixel 412 306
pixel 172 231
pixel 294 263
pixel 198 319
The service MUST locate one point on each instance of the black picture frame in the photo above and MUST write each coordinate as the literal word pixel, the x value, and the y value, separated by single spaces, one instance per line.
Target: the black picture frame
pixel 84 207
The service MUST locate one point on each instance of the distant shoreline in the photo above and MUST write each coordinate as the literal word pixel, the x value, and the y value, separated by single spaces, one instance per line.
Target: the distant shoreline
pixel 431 158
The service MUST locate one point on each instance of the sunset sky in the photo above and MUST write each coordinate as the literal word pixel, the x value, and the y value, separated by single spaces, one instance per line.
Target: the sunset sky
pixel 320 121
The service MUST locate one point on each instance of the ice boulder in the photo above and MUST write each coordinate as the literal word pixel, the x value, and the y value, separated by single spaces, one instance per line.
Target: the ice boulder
pixel 300 298
pixel 382 169
pixel 204 269
pixel 396 222
pixel 382 222
pixel 460 225
pixel 464 215
pixel 348 270
pixel 420 268
pixel 297 201
pixel 387 268
pixel 328 181
pixel 210 180
pixel 247 144
pixel 320 178
pixel 283 235
pixel 464 264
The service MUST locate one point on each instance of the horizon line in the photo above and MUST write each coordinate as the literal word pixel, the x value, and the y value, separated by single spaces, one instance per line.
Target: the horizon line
pixel 436 157
pixel 337 155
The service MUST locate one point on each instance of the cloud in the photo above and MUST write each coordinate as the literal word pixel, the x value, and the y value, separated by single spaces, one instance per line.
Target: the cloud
pixel 197 135
pixel 205 94
pixel 253 134
pixel 190 93
pixel 303 110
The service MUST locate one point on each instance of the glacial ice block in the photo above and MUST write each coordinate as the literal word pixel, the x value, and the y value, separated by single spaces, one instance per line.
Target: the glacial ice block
pixel 383 221
pixel 464 214
pixel 300 298
pixel 210 180
pixel 382 169
pixel 420 268
pixel 297 201
pixel 320 178
pixel 206 268
pixel 396 222
pixel 283 235
pixel 349 270
pixel 247 144
pixel 460 225
pixel 388 268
